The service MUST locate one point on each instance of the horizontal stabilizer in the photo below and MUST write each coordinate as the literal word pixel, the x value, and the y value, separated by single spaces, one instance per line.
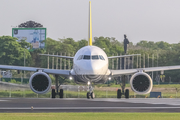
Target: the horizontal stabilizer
pixel 124 56
pixel 57 56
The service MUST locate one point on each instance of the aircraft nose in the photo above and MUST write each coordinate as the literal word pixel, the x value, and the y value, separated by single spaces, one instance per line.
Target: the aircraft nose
pixel 93 67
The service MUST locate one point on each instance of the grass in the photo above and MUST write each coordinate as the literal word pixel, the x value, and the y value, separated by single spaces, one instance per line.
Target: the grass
pixel 100 92
pixel 18 93
pixel 75 94
pixel 155 85
pixel 89 116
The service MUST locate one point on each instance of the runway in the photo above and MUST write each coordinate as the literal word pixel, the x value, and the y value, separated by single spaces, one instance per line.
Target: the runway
pixel 89 105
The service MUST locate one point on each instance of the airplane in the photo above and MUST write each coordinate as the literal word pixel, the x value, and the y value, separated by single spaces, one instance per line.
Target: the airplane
pixel 90 65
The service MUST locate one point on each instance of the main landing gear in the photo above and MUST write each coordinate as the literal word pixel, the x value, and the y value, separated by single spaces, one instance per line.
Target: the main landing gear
pixel 123 92
pixel 90 93
pixel 54 93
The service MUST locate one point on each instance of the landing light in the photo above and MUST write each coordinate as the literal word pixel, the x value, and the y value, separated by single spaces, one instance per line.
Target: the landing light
pixel 109 78
pixel 70 78
pixel 88 83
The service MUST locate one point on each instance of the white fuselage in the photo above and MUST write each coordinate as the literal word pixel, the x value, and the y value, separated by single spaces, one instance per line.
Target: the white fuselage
pixel 90 64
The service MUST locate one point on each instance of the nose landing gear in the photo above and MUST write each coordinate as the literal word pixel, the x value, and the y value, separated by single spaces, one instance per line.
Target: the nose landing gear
pixel 90 93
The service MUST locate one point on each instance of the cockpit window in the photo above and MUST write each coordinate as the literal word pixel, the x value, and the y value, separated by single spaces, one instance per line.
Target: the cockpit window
pixel 80 57
pixel 95 57
pixel 101 57
pixel 86 57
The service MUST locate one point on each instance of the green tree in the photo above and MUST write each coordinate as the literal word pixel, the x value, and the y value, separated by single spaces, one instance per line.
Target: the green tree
pixel 12 52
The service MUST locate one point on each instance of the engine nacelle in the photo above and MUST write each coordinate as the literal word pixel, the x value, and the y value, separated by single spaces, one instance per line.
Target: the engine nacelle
pixel 40 82
pixel 141 83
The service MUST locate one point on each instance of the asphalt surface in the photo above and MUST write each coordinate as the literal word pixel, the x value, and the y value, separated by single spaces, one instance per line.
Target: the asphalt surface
pixel 89 105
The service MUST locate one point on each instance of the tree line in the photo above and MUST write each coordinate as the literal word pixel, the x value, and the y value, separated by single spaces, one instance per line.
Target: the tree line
pixel 153 54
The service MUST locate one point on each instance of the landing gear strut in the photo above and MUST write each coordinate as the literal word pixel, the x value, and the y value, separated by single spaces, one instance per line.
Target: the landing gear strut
pixel 54 93
pixel 123 92
pixel 90 93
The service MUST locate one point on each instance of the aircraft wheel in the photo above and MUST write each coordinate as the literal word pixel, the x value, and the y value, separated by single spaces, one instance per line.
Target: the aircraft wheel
pixel 88 95
pixel 61 93
pixel 53 93
pixel 127 93
pixel 119 93
pixel 92 95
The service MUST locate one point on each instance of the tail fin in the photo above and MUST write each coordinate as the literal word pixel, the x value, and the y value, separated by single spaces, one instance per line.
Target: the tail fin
pixel 90 26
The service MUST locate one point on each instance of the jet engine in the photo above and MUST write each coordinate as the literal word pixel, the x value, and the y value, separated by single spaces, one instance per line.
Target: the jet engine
pixel 141 83
pixel 40 82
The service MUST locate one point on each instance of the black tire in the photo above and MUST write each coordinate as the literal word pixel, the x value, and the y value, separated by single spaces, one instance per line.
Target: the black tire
pixel 119 93
pixel 92 95
pixel 61 93
pixel 127 93
pixel 88 95
pixel 53 93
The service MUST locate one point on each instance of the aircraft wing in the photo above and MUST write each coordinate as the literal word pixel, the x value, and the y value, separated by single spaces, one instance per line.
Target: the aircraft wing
pixel 57 56
pixel 33 69
pixel 150 69
pixel 123 72
pixel 124 56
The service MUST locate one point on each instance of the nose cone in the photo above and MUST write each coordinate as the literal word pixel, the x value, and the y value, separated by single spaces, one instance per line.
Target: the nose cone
pixel 96 67
pixel 93 67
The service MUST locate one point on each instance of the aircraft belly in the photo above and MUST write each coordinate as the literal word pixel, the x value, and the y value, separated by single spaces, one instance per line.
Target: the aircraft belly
pixel 91 78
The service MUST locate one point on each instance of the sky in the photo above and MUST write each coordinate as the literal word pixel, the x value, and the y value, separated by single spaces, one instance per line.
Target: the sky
pixel 151 20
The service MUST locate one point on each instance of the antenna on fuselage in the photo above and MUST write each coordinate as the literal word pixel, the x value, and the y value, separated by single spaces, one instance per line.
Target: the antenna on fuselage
pixel 90 26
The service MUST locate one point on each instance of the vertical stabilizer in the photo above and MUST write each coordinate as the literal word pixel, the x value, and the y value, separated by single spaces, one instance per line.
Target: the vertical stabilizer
pixel 90 25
